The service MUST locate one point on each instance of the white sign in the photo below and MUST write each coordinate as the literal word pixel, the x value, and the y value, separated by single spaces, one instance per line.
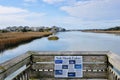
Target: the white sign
pixel 68 66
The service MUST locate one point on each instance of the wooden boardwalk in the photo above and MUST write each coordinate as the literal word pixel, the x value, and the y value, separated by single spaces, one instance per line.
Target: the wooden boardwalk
pixel 97 65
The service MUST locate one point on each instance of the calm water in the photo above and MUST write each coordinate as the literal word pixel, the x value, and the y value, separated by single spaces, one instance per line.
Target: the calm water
pixel 69 41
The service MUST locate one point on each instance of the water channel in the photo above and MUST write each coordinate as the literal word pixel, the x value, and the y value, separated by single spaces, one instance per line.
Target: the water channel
pixel 69 41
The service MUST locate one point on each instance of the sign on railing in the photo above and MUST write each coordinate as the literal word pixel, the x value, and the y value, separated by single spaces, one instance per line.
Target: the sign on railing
pixel 68 67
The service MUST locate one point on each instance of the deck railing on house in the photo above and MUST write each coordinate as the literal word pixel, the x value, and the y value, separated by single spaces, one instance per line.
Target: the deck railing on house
pixel 40 66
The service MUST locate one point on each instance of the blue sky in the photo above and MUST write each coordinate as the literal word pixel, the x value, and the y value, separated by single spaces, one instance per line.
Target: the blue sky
pixel 71 14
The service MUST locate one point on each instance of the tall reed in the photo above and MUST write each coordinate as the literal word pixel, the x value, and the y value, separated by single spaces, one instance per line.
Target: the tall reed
pixel 15 38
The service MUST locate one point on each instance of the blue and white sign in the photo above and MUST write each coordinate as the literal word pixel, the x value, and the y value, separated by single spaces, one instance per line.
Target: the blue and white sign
pixel 68 66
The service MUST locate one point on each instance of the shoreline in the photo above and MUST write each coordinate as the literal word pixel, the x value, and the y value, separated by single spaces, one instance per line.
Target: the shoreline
pixel 12 39
pixel 110 32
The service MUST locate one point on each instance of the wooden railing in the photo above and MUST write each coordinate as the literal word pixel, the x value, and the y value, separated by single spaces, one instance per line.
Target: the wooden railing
pixel 40 65
pixel 13 65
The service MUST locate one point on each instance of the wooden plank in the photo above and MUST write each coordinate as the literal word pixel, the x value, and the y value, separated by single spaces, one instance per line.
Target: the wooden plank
pixel 64 79
pixel 86 75
pixel 43 66
pixel 95 58
pixel 94 66
pixel 42 74
pixel 85 58
pixel 42 58
pixel 93 75
pixel 85 66
pixel 71 53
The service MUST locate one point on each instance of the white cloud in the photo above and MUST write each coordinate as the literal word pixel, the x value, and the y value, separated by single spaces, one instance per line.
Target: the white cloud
pixel 53 1
pixel 82 14
pixel 11 10
pixel 17 16
pixel 94 9
pixel 30 0
pixel 76 23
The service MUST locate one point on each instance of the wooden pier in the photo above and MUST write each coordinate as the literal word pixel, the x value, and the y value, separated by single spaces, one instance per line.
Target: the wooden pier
pixel 97 65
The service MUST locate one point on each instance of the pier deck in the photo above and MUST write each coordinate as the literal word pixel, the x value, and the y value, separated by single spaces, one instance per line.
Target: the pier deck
pixel 96 65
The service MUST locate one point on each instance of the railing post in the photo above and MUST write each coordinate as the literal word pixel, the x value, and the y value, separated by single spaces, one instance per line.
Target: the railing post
pixel 113 67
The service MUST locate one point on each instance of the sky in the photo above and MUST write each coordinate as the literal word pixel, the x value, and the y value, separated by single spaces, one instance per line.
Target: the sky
pixel 70 14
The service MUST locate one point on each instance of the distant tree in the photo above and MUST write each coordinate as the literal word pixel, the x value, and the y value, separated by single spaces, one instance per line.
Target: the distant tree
pixel 0 31
pixel 4 31
pixel 47 29
pixel 24 30
pixel 41 30
pixel 114 28
pixel 63 29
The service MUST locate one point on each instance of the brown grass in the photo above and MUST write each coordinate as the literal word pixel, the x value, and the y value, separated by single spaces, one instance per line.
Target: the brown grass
pixel 111 32
pixel 15 38
pixel 107 31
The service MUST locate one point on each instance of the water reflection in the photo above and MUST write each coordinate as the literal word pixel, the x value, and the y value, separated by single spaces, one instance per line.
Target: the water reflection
pixel 69 41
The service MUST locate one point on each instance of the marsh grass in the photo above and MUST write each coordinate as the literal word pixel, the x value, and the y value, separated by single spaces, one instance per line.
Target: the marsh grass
pixel 53 38
pixel 12 39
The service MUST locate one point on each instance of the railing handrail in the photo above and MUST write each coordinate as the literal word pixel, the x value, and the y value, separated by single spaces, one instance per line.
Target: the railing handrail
pixel 114 59
pixel 71 53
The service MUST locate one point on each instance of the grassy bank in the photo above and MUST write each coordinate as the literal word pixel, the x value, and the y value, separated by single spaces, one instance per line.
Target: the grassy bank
pixel 15 38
